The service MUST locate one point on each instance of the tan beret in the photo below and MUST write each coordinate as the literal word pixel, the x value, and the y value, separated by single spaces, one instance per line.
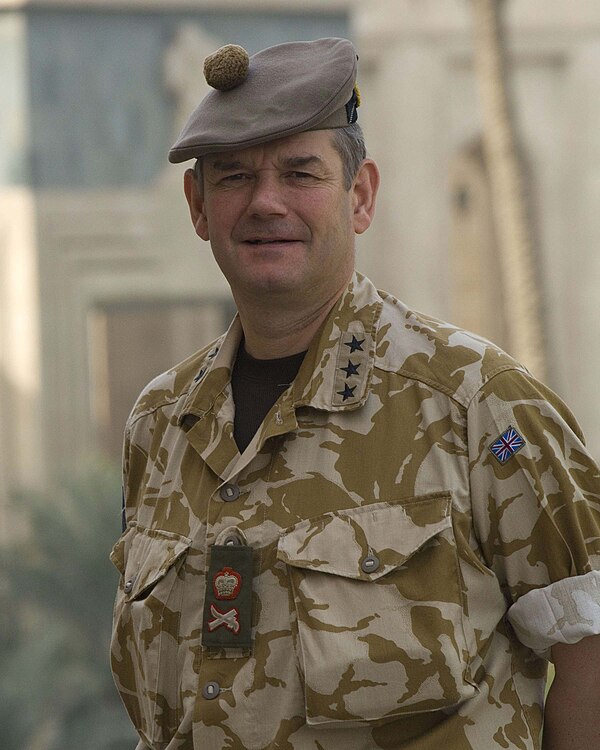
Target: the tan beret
pixel 279 91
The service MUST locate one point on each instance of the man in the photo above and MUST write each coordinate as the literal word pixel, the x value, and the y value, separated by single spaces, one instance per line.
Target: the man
pixel 348 525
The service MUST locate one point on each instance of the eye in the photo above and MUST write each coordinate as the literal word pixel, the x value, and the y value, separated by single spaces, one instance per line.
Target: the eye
pixel 236 177
pixel 302 176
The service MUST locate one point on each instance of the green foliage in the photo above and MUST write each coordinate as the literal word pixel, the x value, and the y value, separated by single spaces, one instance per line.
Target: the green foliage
pixel 56 595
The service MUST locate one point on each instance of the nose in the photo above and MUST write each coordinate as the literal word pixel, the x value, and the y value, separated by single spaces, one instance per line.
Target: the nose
pixel 267 197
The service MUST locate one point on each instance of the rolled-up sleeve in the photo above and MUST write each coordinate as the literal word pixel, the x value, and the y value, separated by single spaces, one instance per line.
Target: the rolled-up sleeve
pixel 563 612
pixel 535 494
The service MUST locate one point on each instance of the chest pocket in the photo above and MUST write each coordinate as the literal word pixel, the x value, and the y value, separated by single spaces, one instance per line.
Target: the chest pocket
pixel 381 630
pixel 144 648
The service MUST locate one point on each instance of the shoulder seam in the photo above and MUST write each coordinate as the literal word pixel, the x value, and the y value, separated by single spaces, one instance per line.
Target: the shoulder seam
pixel 492 374
pixel 422 379
pixel 202 355
pixel 167 402
pixel 444 389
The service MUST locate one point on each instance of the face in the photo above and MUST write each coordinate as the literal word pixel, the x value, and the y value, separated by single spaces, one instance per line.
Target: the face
pixel 278 217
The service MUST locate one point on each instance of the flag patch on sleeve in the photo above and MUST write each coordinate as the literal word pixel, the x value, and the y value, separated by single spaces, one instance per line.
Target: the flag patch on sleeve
pixel 507 444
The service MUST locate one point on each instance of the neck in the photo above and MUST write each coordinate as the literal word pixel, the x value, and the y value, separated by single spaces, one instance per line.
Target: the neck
pixel 275 330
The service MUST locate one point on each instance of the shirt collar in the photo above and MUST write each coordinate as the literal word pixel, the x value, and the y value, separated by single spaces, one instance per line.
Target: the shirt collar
pixel 336 372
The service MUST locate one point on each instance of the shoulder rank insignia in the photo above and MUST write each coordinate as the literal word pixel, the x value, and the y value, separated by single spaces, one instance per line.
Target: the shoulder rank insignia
pixel 355 349
pixel 355 345
pixel 227 584
pixel 507 444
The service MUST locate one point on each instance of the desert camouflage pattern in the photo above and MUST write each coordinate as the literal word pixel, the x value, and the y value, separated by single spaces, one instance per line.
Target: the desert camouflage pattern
pixel 406 585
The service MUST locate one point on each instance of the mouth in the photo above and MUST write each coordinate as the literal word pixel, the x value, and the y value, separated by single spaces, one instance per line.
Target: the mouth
pixel 270 241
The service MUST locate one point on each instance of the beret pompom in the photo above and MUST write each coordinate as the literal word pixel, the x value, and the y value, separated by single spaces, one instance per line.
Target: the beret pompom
pixel 227 67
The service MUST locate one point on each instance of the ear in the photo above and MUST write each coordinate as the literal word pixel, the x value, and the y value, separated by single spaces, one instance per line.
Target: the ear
pixel 195 199
pixel 364 193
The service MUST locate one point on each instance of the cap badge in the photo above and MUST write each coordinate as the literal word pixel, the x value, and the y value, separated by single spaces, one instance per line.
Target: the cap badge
pixel 507 444
pixel 227 584
pixel 352 106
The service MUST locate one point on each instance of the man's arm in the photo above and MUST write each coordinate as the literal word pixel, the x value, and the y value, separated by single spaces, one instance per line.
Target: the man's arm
pixel 572 714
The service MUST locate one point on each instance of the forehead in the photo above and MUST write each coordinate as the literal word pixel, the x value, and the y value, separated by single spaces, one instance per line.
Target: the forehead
pixel 317 143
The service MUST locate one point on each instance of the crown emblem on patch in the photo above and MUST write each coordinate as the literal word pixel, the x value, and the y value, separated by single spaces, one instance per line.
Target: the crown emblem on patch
pixel 227 583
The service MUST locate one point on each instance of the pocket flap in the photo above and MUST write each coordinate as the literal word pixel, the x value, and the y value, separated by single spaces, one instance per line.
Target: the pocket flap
pixel 143 556
pixel 340 541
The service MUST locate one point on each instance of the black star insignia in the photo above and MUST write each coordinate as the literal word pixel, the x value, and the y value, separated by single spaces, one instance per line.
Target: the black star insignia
pixel 355 345
pixel 352 369
pixel 347 392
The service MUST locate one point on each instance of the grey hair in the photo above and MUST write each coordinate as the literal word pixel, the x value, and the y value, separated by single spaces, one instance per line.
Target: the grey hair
pixel 349 142
pixel 198 170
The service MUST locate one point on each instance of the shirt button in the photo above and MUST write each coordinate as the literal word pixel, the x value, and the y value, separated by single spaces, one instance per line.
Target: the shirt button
pixel 233 540
pixel 229 492
pixel 369 564
pixel 211 690
pixel 128 587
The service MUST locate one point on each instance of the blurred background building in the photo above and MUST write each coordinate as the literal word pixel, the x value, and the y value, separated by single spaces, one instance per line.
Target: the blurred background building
pixel 103 282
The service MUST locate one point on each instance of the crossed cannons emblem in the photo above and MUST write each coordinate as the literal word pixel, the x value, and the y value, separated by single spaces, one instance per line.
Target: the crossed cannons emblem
pixel 229 619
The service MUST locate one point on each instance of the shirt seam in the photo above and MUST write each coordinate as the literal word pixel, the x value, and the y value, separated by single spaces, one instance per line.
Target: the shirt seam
pixel 151 410
pixel 463 403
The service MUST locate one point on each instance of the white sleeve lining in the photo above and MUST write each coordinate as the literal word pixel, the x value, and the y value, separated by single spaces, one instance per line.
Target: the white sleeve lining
pixel 563 612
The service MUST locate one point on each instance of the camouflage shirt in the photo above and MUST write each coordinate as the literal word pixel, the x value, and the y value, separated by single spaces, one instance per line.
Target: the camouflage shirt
pixel 423 522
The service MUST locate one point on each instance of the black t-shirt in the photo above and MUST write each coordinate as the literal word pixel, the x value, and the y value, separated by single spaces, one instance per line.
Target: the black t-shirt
pixel 257 384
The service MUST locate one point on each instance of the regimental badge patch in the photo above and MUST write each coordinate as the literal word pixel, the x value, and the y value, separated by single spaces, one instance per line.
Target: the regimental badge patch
pixel 507 444
pixel 228 579
pixel 229 619
pixel 227 583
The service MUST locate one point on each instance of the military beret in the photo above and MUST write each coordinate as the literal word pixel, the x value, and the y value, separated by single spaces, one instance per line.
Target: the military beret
pixel 282 90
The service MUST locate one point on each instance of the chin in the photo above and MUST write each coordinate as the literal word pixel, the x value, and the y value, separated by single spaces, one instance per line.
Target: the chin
pixel 274 283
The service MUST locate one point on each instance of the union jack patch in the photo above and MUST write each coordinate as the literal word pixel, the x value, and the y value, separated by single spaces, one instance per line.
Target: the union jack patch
pixel 509 443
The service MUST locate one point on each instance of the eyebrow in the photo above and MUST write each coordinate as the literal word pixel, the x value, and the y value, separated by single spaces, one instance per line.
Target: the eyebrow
pixel 225 166
pixel 293 162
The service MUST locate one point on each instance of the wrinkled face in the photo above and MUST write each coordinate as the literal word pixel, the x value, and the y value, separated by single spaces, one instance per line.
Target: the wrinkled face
pixel 278 217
